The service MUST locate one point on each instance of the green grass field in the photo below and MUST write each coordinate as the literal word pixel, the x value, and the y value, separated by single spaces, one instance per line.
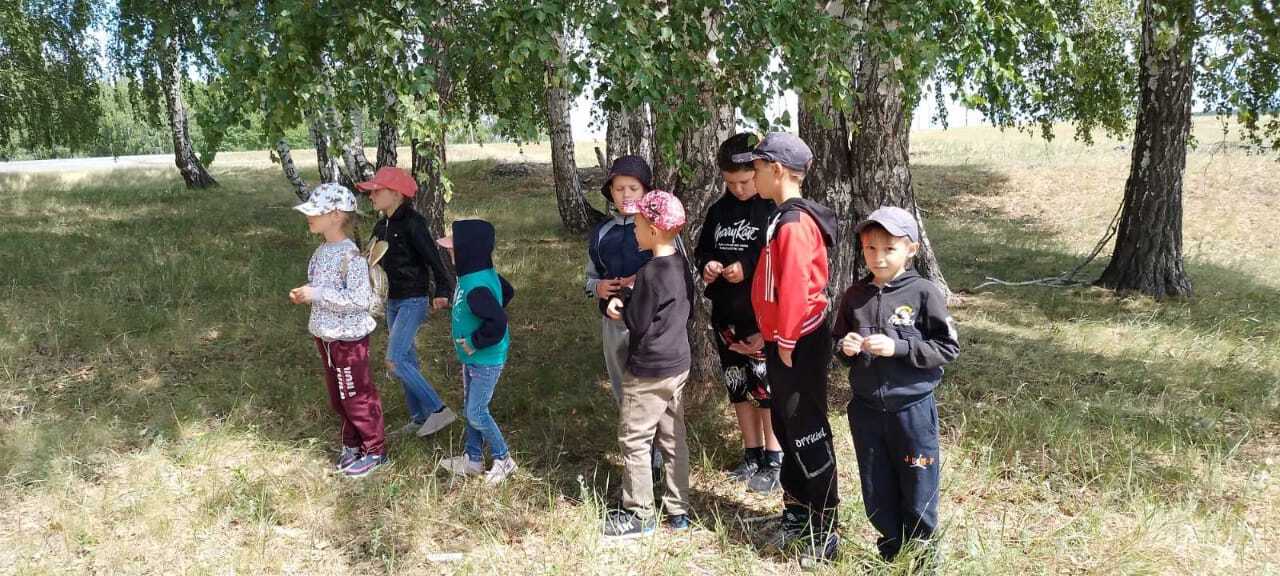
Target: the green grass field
pixel 161 409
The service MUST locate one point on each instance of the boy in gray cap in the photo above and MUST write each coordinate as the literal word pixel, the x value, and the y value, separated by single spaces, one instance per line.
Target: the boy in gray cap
pixel 895 334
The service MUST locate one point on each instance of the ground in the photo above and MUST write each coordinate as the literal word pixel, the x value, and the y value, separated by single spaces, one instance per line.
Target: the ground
pixel 161 409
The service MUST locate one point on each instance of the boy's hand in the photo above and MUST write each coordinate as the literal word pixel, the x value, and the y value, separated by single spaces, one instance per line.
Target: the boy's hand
pixel 607 288
pixel 466 348
pixel 733 273
pixel 711 271
pixel 614 310
pixel 784 354
pixel 439 303
pixel 302 295
pixel 851 344
pixel 878 345
pixel 627 282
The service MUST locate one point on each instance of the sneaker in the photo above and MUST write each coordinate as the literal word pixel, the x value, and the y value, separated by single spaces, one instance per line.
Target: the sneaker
pixel 622 524
pixel 436 421
pixel 462 466
pixel 410 427
pixel 365 465
pixel 500 470
pixel 795 525
pixel 819 551
pixel 677 522
pixel 766 480
pixel 745 471
pixel 348 455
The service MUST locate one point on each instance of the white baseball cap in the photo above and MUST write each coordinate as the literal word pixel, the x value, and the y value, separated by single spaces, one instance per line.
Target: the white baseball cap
pixel 326 198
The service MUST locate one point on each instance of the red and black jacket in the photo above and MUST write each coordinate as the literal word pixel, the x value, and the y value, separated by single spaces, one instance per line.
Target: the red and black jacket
pixel 788 291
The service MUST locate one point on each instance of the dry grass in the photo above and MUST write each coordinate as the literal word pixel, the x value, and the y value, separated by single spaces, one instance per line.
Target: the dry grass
pixel 160 411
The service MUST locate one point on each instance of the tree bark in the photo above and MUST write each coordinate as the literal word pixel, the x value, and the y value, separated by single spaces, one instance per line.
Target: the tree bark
pixel 862 162
pixel 357 165
pixel 283 155
pixel 388 134
pixel 1148 249
pixel 428 170
pixel 630 132
pixel 184 155
pixel 576 215
pixel 326 163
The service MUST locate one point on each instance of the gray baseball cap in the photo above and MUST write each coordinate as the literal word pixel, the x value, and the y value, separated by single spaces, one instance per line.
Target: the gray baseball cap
pixel 786 149
pixel 326 198
pixel 895 220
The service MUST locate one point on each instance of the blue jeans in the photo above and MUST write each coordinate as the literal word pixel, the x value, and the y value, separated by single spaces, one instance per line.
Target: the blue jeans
pixel 404 316
pixel 478 383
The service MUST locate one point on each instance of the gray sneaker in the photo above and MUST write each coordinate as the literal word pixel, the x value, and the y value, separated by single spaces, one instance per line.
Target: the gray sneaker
pixel 436 422
pixel 409 427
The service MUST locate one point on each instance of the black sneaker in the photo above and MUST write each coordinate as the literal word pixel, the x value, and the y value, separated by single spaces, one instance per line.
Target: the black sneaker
pixel 677 522
pixel 745 471
pixel 766 480
pixel 795 526
pixel 622 524
pixel 819 551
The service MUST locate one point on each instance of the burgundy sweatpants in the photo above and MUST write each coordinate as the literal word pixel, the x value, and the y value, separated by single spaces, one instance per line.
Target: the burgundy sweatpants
pixel 352 394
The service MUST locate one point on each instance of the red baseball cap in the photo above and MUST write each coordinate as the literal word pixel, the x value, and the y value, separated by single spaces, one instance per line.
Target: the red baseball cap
pixel 391 178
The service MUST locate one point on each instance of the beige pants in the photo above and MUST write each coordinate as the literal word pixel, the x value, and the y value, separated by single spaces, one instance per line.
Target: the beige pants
pixel 653 412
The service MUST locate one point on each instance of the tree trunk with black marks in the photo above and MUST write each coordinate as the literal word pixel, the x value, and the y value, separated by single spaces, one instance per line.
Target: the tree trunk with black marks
pixel 285 157
pixel 428 170
pixel 862 162
pixel 326 163
pixel 184 154
pixel 630 132
pixel 576 215
pixel 388 134
pixel 1148 249
pixel 357 165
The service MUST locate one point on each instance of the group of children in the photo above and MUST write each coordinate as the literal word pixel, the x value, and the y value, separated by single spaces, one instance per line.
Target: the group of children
pixel 762 256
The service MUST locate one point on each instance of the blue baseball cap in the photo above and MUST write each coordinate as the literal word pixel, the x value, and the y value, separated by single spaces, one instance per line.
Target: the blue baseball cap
pixel 896 221
pixel 781 147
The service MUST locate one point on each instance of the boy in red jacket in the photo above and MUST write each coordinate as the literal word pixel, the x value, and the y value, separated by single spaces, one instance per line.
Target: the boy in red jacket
pixel 788 294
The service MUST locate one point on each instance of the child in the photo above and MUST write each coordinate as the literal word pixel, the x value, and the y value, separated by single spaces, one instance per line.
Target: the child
pixel 412 264
pixel 728 247
pixel 339 293
pixel 613 257
pixel 895 334
pixel 480 339
pixel 656 311
pixel 788 294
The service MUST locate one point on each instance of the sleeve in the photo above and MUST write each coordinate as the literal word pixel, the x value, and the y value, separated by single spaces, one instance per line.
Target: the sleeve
pixel 938 343
pixel 593 274
pixel 356 293
pixel 493 319
pixel 425 246
pixel 843 326
pixel 795 242
pixel 508 291
pixel 640 308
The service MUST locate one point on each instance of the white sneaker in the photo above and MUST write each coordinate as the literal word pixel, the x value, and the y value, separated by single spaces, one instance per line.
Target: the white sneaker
pixel 500 470
pixel 437 421
pixel 462 466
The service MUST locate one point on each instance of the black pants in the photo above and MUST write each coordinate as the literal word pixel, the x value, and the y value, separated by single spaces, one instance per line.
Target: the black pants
pixel 898 463
pixel 808 474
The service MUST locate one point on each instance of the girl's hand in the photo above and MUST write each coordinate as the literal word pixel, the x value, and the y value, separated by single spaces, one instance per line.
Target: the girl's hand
pixel 302 295
pixel 614 310
pixel 711 271
pixel 607 288
pixel 733 273
pixel 439 303
pixel 466 348
pixel 851 344
pixel 878 345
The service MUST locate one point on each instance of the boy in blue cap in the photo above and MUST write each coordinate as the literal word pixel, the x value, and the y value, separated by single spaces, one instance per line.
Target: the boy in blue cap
pixel 895 334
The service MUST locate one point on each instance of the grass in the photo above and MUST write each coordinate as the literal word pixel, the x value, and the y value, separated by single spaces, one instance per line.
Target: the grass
pixel 161 409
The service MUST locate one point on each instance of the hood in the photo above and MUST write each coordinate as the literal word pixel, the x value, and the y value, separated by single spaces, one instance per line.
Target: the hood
pixel 825 218
pixel 908 277
pixel 472 246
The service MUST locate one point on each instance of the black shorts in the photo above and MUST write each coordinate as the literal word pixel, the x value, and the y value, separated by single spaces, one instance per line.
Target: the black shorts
pixel 744 377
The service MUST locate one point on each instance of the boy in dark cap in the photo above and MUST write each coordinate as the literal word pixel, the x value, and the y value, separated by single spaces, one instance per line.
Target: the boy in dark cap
pixel 788 294
pixel 728 249
pixel 895 334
